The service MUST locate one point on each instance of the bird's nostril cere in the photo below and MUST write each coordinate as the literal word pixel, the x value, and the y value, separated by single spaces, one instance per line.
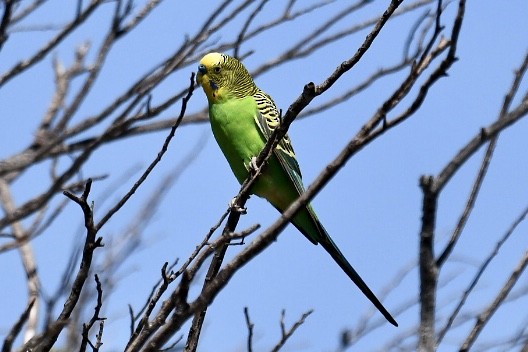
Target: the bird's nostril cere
pixel 201 68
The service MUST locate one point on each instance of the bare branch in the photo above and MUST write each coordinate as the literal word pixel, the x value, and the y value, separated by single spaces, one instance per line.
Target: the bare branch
pixel 250 327
pixel 140 16
pixel 365 325
pixel 63 79
pixel 17 327
pixel 64 286
pixel 25 64
pixel 93 320
pixel 27 10
pixel 428 268
pixel 4 22
pixel 484 166
pixel 479 273
pixel 303 48
pixel 368 82
pixel 485 316
pixel 288 15
pixel 28 260
pixel 246 25
pixel 154 162
pixel 432 187
pixel 47 340
pixel 286 334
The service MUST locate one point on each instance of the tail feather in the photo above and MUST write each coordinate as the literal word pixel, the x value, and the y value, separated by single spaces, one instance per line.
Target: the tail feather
pixel 340 259
pixel 307 223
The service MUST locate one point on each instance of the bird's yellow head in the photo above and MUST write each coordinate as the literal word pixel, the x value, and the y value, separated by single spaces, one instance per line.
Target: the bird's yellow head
pixel 223 77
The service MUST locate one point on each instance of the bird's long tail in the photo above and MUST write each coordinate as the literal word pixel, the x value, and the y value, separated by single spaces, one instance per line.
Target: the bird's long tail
pixel 340 259
pixel 309 225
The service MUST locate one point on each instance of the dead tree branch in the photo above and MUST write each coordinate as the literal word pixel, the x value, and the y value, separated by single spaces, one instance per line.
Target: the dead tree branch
pixel 287 333
pixel 486 315
pixel 95 318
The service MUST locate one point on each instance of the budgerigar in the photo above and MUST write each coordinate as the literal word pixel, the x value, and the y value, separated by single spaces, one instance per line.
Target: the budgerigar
pixel 242 119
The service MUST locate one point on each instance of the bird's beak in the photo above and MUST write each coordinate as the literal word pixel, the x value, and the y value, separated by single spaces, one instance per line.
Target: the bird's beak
pixel 203 79
pixel 202 70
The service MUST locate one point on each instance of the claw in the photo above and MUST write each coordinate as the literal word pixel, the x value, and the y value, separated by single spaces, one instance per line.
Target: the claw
pixel 253 167
pixel 236 208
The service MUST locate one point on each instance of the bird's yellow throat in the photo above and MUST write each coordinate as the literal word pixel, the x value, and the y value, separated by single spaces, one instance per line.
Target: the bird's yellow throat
pixel 213 95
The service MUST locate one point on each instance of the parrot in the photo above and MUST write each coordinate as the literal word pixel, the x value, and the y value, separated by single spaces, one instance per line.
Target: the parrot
pixel 242 119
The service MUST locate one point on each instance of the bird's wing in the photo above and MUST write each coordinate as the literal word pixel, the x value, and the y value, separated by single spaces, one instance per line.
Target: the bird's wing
pixel 267 120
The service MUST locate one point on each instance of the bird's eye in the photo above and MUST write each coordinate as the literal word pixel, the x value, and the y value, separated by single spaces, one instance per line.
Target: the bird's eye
pixel 217 69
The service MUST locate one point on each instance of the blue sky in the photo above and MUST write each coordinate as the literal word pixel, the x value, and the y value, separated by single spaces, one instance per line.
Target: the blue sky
pixel 372 208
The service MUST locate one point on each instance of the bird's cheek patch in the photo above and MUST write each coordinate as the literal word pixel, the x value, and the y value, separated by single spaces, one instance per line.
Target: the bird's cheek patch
pixel 214 86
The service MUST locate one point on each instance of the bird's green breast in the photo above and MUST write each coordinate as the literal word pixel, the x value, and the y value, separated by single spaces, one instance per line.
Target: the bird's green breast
pixel 233 125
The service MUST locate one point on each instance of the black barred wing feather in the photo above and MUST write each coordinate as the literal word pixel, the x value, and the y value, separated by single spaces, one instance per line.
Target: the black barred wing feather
pixel 268 119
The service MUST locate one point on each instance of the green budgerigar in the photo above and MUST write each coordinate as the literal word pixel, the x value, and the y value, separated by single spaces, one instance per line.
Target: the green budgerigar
pixel 242 119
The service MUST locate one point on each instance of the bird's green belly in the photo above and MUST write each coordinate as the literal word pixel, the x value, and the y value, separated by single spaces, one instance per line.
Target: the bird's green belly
pixel 238 136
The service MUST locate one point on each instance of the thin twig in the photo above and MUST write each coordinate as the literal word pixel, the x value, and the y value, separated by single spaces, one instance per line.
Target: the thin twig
pixel 5 21
pixel 286 334
pixel 95 317
pixel 486 315
pixel 250 326
pixel 28 259
pixel 245 27
pixel 519 74
pixel 149 169
pixel 17 327
pixel 479 273
pixel 152 302
pixel 27 10
pixel 47 340
pixel 38 56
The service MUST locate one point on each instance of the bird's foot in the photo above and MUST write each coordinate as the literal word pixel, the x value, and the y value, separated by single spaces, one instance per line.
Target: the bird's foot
pixel 237 209
pixel 253 167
